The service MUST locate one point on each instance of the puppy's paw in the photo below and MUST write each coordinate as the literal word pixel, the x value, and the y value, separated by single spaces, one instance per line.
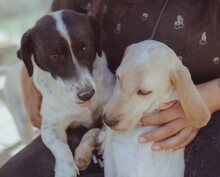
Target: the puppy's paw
pixel 83 156
pixel 84 151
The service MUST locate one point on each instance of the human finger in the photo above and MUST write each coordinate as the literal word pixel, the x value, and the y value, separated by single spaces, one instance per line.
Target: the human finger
pixel 165 131
pixel 167 105
pixel 164 116
pixel 187 142
pixel 175 141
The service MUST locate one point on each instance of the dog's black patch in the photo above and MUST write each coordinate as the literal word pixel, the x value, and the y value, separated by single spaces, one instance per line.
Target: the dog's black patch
pixel 51 50
pixel 82 37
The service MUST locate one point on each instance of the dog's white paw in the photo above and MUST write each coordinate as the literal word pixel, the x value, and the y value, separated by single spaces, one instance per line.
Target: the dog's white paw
pixel 66 169
pixel 83 156
pixel 84 151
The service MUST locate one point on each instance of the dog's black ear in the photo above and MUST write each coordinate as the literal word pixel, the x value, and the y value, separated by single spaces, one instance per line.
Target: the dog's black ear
pixel 98 35
pixel 19 54
pixel 26 50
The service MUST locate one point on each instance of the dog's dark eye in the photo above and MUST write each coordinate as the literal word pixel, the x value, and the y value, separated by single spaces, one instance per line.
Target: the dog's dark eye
pixel 54 58
pixel 84 51
pixel 144 92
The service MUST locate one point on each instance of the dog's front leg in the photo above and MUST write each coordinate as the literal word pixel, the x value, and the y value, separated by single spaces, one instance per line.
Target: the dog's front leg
pixel 55 139
pixel 84 151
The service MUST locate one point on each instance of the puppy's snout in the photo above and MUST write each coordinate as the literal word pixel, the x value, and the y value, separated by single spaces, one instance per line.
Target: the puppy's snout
pixel 86 94
pixel 109 121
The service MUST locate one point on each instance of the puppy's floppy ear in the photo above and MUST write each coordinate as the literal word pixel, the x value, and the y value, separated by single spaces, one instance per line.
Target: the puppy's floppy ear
pixel 98 35
pixel 193 105
pixel 26 50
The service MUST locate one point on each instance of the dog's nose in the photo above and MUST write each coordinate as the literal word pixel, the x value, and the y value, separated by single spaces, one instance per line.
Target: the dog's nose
pixel 110 122
pixel 86 94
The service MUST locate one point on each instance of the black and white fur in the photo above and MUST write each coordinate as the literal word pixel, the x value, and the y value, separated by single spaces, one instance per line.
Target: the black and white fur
pixel 60 53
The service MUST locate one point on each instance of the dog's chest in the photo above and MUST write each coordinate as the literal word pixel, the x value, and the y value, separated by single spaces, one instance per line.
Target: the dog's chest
pixel 66 115
pixel 128 158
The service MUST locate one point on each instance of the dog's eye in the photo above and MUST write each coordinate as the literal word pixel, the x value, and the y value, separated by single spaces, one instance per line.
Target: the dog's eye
pixel 144 92
pixel 84 51
pixel 54 58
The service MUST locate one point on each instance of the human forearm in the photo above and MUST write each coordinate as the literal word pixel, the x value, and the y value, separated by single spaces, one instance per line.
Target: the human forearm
pixel 176 131
pixel 32 99
pixel 210 91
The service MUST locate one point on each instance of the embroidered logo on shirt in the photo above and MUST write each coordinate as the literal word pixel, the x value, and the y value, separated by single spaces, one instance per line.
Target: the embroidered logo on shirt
pixel 144 16
pixel 203 40
pixel 216 60
pixel 105 9
pixel 179 23
pixel 118 29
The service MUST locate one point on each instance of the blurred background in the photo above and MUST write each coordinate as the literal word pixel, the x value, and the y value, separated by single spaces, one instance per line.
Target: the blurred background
pixel 16 17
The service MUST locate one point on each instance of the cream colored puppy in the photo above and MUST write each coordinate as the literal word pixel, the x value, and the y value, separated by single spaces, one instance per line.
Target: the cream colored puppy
pixel 150 74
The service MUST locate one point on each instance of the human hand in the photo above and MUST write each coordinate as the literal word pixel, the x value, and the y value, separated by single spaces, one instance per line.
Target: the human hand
pixel 32 99
pixel 176 131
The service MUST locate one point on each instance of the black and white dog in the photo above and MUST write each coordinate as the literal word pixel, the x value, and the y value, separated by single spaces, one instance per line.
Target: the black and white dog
pixel 64 57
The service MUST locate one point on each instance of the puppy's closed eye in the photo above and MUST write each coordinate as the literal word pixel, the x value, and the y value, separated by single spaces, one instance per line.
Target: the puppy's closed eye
pixel 143 92
pixel 117 76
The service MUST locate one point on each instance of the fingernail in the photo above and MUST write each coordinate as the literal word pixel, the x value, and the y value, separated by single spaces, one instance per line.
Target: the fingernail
pixel 142 140
pixel 156 148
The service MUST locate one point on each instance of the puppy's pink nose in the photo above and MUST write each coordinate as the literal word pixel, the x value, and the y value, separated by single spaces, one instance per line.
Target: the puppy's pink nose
pixel 110 122
pixel 86 94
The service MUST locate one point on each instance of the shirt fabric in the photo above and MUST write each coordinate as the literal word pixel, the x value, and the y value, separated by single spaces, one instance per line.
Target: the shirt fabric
pixel 200 52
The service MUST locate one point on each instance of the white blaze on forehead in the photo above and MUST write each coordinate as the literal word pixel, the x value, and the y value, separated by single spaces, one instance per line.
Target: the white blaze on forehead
pixel 61 28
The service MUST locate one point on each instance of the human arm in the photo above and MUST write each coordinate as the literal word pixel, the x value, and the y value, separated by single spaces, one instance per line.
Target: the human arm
pixel 32 99
pixel 177 132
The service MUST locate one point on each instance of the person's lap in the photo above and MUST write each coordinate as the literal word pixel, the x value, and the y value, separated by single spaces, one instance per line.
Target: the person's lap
pixel 37 161
pixel 202 156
